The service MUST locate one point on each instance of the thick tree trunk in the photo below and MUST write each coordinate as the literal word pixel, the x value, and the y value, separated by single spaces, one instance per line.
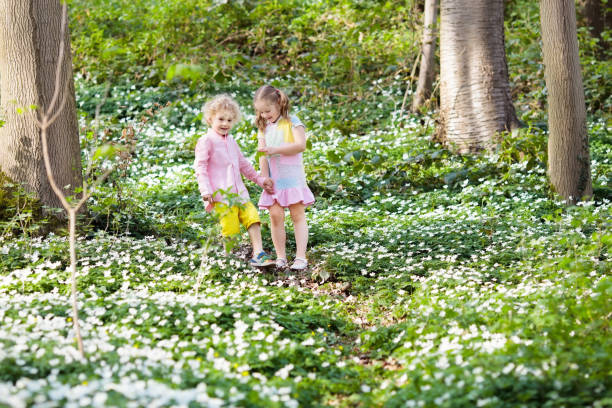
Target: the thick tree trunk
pixel 29 46
pixel 428 48
pixel 595 16
pixel 569 164
pixel 475 101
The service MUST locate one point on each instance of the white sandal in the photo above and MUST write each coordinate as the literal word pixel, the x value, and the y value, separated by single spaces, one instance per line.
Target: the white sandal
pixel 281 263
pixel 299 264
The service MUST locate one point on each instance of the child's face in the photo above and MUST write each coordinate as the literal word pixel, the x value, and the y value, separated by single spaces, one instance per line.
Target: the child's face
pixel 267 110
pixel 222 121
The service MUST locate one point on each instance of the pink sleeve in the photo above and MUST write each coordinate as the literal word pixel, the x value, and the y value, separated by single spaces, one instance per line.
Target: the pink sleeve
pixel 202 154
pixel 248 170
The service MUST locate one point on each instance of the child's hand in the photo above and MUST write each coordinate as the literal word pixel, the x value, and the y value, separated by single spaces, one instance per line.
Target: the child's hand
pixel 207 198
pixel 267 150
pixel 268 185
pixel 261 143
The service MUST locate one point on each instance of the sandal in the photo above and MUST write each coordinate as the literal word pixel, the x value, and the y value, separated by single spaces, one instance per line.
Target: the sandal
pixel 281 263
pixel 299 264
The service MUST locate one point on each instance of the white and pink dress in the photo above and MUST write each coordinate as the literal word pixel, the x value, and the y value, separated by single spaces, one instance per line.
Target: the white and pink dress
pixel 287 171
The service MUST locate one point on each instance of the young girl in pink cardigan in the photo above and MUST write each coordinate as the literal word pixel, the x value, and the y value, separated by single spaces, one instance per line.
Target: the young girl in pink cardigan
pixel 219 164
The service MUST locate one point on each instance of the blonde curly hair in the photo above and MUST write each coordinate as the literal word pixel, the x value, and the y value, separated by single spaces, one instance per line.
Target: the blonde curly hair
pixel 222 102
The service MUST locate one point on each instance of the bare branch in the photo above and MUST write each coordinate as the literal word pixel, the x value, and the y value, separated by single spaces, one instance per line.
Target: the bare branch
pixel 52 182
pixel 97 125
pixel 96 183
pixel 58 68
pixel 89 164
pixel 409 86
pixel 36 121
pixel 99 106
pixel 46 120
pixel 61 107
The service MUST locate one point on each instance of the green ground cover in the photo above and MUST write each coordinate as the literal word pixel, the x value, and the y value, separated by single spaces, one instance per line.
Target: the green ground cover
pixel 436 280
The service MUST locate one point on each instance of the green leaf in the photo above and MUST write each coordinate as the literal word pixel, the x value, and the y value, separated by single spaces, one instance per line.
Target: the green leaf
pixel 112 52
pixel 171 72
pixel 416 159
pixel 186 71
pixel 104 152
pixel 449 178
pixel 333 157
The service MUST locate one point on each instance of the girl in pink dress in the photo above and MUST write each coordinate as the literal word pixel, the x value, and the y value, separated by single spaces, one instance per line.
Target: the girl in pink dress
pixel 282 137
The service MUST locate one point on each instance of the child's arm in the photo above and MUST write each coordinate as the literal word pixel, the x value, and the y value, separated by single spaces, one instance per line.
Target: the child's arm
pixel 264 170
pixel 202 155
pixel 247 169
pixel 299 135
pixel 263 167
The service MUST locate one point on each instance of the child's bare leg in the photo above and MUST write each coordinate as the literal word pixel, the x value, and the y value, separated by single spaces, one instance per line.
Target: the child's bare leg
pixel 300 227
pixel 277 228
pixel 255 234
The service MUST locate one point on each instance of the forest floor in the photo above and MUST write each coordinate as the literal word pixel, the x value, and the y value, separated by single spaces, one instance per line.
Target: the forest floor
pixel 434 280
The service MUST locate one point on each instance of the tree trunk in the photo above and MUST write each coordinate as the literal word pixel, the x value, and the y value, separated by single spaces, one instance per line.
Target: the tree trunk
pixel 428 48
pixel 29 45
pixel 475 101
pixel 569 164
pixel 594 13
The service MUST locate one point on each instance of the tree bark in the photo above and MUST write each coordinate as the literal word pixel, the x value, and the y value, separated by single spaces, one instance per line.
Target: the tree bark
pixel 29 45
pixel 428 48
pixel 569 164
pixel 475 101
pixel 594 13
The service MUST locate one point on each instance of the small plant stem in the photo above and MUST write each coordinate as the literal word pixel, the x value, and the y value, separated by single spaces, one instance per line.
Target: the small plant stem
pixel 75 310
pixel 71 210
pixel 46 119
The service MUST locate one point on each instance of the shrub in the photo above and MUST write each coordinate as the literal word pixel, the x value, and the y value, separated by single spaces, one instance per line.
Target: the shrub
pixel 20 211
